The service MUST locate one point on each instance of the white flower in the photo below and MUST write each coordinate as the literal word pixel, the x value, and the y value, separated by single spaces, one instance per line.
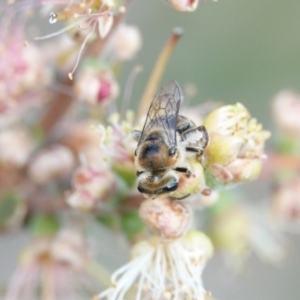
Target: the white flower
pixel 117 141
pixel 163 270
pixel 184 5
pixel 126 42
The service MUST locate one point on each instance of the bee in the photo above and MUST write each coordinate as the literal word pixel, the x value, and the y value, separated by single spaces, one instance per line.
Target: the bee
pixel 164 143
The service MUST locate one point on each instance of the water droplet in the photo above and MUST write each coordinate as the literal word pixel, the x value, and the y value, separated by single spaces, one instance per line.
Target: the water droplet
pixel 52 18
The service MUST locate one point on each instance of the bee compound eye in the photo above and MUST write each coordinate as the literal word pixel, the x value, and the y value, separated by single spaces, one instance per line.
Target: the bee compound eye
pixel 140 189
pixel 172 151
pixel 171 187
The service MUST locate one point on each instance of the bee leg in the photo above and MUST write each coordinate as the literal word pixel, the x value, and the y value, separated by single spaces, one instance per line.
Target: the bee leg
pixel 196 150
pixel 185 170
pixel 205 139
pixel 179 198
pixel 199 152
pixel 197 135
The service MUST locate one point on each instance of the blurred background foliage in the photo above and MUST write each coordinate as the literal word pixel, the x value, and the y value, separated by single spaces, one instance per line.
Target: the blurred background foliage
pixel 233 51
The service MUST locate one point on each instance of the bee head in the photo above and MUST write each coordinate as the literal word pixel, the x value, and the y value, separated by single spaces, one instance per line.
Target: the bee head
pixel 153 186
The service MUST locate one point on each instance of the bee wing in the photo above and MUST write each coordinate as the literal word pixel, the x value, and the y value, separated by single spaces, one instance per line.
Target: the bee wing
pixel 163 112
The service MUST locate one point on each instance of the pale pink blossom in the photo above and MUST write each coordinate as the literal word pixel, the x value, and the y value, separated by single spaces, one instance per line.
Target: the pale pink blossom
pixel 96 87
pixel 91 186
pixel 51 163
pixel 286 111
pixel 16 145
pixel 126 42
pixel 184 5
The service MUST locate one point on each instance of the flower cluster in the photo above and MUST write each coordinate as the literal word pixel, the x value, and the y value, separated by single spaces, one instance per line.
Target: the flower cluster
pixel 155 179
pixel 236 145
pixel 23 73
pixel 164 270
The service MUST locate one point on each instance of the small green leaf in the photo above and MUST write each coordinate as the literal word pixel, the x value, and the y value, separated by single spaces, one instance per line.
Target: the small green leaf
pixel 286 144
pixel 8 204
pixel 226 199
pixel 95 64
pixel 107 220
pixel 38 134
pixel 44 225
pixel 126 173
pixel 132 224
pixel 212 182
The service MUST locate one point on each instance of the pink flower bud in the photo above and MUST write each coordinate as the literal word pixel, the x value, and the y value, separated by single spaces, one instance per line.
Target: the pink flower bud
pixel 51 163
pixel 184 5
pixel 96 87
pixel 168 217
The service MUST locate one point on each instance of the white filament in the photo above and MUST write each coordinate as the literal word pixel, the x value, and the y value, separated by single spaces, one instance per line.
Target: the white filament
pixel 164 271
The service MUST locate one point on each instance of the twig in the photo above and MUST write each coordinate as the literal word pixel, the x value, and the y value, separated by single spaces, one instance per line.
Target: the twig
pixel 158 71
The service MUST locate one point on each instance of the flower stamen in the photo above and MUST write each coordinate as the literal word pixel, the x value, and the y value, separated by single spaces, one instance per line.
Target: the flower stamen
pixel 163 270
pixel 81 50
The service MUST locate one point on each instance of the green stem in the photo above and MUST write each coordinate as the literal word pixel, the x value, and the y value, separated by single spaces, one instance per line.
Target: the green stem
pixel 47 281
